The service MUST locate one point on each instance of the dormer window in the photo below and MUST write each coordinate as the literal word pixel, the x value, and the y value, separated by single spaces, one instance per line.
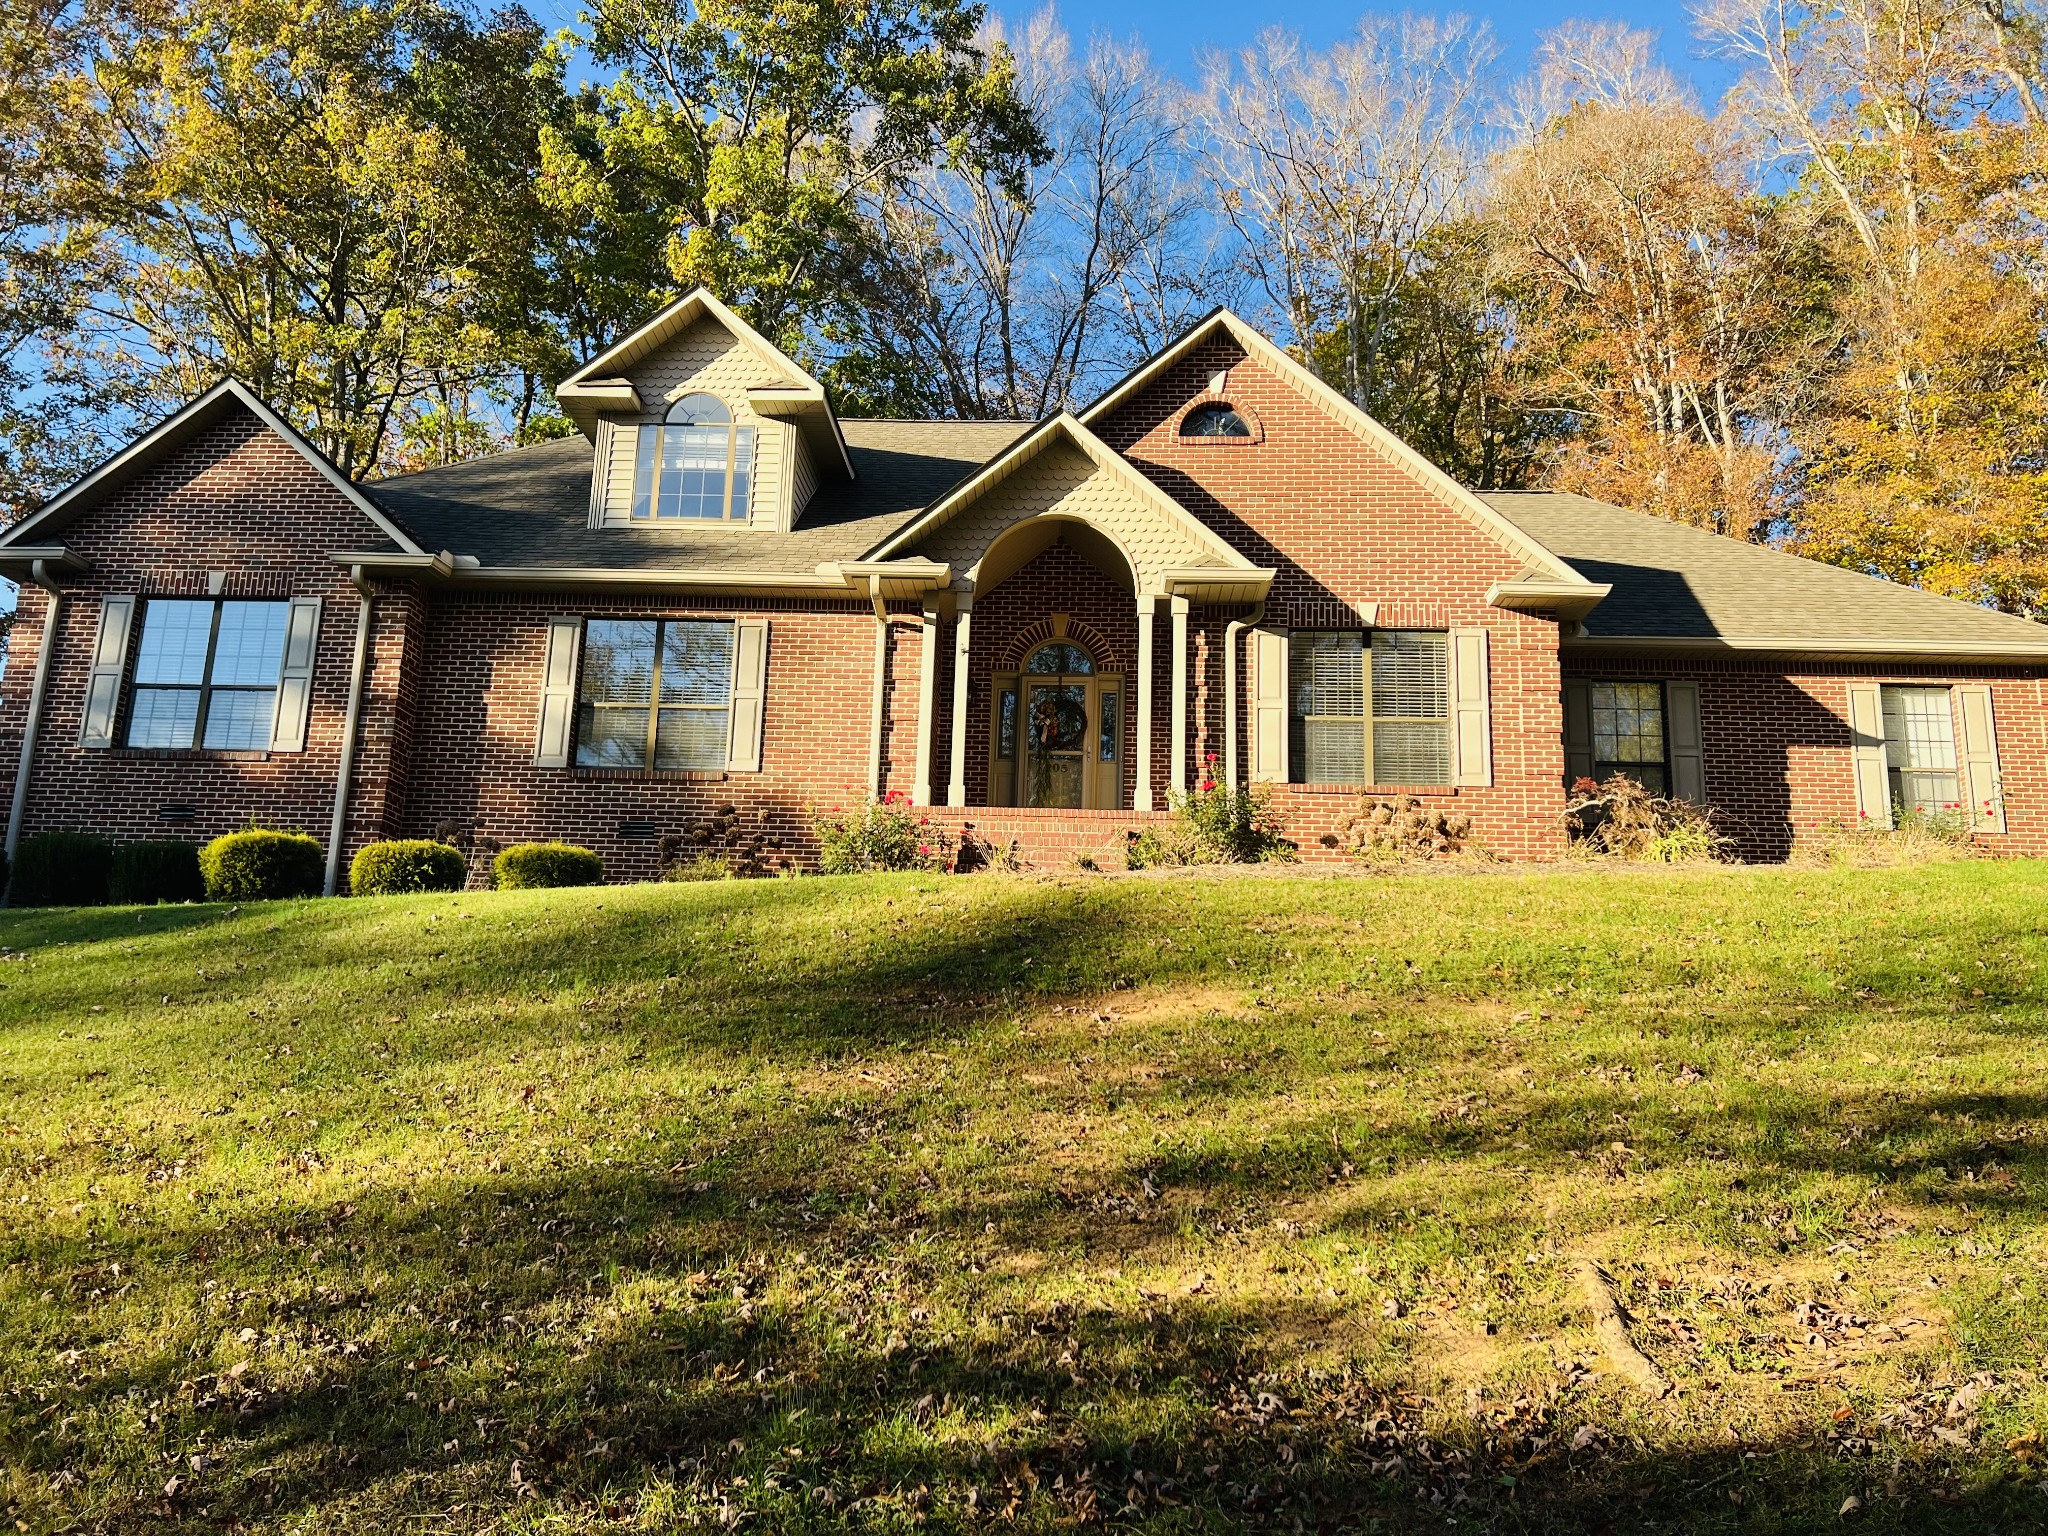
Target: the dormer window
pixel 1217 420
pixel 697 464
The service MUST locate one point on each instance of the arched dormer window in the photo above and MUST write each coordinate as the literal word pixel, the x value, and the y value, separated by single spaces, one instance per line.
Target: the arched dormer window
pixel 1217 420
pixel 696 464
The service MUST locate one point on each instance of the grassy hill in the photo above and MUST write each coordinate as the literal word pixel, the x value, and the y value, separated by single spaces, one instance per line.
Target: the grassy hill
pixel 1030 1204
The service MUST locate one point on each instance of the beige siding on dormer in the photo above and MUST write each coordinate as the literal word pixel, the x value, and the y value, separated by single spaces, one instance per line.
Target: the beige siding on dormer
pixel 705 359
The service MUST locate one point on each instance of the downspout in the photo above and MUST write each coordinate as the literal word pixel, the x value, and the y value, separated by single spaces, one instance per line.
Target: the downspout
pixel 349 723
pixel 46 647
pixel 1231 631
pixel 881 685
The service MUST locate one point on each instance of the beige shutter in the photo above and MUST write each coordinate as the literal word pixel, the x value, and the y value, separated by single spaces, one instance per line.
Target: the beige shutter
pixel 1682 731
pixel 295 676
pixel 1980 760
pixel 1578 732
pixel 556 738
pixel 1866 753
pixel 749 693
pixel 109 666
pixel 1471 710
pixel 1269 706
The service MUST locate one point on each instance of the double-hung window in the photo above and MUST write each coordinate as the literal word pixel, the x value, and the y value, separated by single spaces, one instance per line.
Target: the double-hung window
pixel 1920 749
pixel 655 694
pixel 1629 735
pixel 206 674
pixel 1370 710
pixel 697 464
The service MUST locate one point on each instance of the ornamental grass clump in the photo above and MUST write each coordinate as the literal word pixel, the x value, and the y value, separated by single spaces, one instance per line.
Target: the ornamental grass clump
pixel 262 864
pixel 405 865
pixel 545 866
pixel 61 869
pixel 880 835
pixel 152 871
pixel 1623 820
pixel 1403 829
pixel 1914 837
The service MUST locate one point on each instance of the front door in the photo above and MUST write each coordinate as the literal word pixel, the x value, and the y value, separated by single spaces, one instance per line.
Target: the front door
pixel 1057 736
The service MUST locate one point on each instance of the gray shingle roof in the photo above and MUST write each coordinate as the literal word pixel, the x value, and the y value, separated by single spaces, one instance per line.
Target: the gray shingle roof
pixel 1675 583
pixel 530 506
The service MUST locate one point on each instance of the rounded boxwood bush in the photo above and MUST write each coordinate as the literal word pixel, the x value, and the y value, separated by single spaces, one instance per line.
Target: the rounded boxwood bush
pixel 61 869
pixel 539 866
pixel 262 865
pixel 407 864
pixel 156 871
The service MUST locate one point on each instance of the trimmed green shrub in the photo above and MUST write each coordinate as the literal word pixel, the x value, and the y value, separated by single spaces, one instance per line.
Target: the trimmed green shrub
pixel 61 869
pixel 543 866
pixel 156 871
pixel 261 864
pixel 407 864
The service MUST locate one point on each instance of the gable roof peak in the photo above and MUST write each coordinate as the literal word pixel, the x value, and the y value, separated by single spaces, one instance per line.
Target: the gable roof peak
pixel 1354 418
pixel 183 424
pixel 786 390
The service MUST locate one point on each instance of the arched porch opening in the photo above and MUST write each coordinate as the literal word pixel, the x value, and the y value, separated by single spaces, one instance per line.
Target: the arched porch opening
pixel 1047 671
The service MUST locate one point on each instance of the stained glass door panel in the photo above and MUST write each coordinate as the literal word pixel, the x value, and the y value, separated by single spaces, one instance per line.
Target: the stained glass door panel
pixel 1056 741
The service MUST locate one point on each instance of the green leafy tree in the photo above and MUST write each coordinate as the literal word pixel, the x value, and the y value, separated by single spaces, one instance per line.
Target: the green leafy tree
pixel 52 157
pixel 335 202
pixel 759 127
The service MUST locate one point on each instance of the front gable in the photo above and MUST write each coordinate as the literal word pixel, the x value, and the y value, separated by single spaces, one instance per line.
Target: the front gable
pixel 1061 473
pixel 1354 521
pixel 221 460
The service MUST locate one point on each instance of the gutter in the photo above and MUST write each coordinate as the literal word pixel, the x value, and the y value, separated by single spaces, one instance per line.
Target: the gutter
pixel 1819 649
pixel 881 685
pixel 346 773
pixel 39 573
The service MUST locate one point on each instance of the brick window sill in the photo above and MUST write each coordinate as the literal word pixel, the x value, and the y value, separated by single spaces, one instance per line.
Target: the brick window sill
pixel 1217 442
pixel 1373 789
pixel 188 755
pixel 655 775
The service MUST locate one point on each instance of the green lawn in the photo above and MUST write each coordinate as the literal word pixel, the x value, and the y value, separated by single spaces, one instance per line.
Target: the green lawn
pixel 1165 1204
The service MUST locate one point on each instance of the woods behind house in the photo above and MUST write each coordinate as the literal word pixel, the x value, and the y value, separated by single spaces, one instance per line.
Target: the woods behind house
pixel 1811 313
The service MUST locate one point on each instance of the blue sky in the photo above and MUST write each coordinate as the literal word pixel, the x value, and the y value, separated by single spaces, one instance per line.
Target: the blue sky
pixel 1177 30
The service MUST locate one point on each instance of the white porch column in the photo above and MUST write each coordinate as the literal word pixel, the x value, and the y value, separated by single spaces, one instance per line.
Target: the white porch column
pixel 927 686
pixel 1178 778
pixel 956 787
pixel 1141 799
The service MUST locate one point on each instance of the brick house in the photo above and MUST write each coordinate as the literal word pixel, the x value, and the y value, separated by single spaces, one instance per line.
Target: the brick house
pixel 719 604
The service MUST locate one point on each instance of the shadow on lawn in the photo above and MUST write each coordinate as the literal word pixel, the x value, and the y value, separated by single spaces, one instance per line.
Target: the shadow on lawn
pixel 527 1330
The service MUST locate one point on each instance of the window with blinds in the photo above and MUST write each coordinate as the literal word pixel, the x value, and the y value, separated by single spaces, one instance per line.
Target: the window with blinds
pixel 1369 711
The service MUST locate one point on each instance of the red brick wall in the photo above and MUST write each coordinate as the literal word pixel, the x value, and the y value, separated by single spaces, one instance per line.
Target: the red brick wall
pixel 450 711
pixel 238 500
pixel 1342 524
pixel 472 749
pixel 1777 746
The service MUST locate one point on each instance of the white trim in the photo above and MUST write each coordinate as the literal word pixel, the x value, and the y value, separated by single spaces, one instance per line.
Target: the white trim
pixel 1177 778
pixel 1141 796
pixel 1359 422
pixel 131 456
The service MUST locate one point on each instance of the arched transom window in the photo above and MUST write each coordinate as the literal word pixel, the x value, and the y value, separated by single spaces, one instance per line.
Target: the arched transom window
pixel 1217 420
pixel 696 464
pixel 1060 658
